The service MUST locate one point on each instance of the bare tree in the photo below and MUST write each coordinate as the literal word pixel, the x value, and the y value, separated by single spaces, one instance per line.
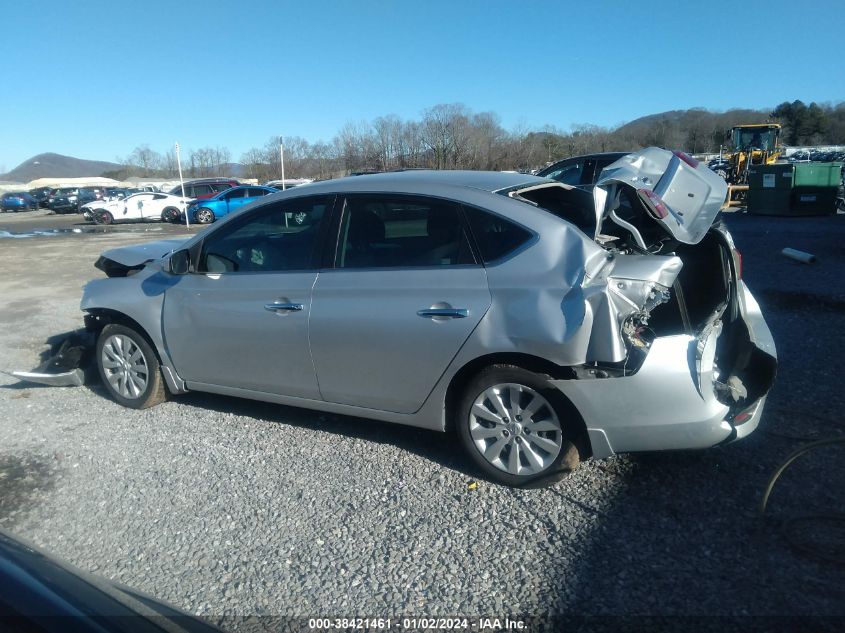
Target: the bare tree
pixel 144 160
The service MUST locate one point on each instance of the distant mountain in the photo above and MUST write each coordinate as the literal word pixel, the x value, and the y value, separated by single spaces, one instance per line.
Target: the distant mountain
pixel 57 166
pixel 235 170
pixel 695 116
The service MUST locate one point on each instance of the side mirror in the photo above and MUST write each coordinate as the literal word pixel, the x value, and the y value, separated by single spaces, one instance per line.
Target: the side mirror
pixel 180 262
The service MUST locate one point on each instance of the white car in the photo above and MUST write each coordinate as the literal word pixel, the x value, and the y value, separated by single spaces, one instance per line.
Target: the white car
pixel 139 207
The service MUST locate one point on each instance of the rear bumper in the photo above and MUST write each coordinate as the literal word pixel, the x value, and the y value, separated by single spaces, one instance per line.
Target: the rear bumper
pixel 670 403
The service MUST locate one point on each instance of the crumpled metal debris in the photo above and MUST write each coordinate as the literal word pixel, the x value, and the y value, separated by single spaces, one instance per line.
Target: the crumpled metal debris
pixel 66 366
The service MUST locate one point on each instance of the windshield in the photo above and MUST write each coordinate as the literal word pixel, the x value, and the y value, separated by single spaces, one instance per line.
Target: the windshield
pixel 755 138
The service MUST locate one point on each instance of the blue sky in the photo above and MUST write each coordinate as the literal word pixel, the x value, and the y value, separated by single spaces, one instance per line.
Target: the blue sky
pixel 96 78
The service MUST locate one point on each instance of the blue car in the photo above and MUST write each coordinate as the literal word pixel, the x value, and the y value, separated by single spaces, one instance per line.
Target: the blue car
pixel 18 201
pixel 226 202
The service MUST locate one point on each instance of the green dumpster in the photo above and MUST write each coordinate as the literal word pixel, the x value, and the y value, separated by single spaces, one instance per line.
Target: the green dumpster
pixel 817 174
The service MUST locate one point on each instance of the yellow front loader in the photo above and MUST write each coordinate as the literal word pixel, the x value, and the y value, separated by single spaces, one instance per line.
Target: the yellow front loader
pixel 754 144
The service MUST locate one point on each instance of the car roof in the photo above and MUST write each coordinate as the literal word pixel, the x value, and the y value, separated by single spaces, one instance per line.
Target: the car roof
pixel 489 181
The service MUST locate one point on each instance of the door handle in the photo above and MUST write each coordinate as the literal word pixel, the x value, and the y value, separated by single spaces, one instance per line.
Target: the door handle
pixel 444 313
pixel 283 307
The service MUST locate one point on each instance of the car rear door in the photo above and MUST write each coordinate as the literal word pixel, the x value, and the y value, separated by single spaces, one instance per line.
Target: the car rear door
pixel 403 296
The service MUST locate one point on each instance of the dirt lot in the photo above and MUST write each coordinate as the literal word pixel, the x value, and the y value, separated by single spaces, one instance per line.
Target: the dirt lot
pixel 228 507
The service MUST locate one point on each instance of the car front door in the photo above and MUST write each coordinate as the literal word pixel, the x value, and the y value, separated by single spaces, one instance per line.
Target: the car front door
pixel 403 296
pixel 240 318
pixel 235 199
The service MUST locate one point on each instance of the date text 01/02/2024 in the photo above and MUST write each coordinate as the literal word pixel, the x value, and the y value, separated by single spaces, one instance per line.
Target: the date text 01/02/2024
pixel 417 623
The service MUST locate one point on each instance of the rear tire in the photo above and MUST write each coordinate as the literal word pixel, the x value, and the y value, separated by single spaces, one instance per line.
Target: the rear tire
pixel 170 214
pixel 517 427
pixel 129 368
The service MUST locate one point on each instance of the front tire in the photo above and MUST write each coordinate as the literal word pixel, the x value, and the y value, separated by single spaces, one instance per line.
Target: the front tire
pixel 103 217
pixel 204 215
pixel 517 427
pixel 129 368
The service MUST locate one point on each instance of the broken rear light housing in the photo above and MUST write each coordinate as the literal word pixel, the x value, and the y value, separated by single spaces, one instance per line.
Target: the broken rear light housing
pixel 689 160
pixel 654 203
pixel 738 263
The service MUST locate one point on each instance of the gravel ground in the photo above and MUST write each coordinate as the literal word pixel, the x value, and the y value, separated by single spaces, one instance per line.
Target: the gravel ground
pixel 229 507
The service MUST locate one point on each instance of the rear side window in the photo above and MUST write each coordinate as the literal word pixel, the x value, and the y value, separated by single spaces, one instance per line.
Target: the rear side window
pixel 495 236
pixel 398 231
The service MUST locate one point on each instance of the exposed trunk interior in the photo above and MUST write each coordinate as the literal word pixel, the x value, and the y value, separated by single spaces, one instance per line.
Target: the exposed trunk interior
pixel 706 286
pixel 703 286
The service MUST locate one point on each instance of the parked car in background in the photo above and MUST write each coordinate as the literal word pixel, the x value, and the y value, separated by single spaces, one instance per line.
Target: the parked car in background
pixel 288 183
pixel 138 207
pixel 484 302
pixel 18 201
pixel 64 200
pixel 204 187
pixel 116 193
pixel 42 195
pixel 86 195
pixel 580 171
pixel 226 202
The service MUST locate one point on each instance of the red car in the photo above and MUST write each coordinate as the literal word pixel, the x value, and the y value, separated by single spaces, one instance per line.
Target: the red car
pixel 204 187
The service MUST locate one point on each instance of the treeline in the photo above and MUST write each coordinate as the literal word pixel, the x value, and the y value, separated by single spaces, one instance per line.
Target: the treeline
pixel 451 136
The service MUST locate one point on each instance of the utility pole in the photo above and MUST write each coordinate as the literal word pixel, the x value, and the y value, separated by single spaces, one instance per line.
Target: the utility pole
pixel 182 183
pixel 282 155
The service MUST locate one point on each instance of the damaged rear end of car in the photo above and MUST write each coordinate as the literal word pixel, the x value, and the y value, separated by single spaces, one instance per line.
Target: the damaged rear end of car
pixel 679 354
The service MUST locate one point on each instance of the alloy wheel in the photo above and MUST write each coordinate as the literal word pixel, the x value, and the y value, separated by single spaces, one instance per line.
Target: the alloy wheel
pixel 515 429
pixel 125 366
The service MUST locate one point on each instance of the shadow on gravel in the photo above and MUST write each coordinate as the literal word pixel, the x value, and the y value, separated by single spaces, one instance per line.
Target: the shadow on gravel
pixel 777 299
pixel 441 448
pixel 438 447
pixel 22 477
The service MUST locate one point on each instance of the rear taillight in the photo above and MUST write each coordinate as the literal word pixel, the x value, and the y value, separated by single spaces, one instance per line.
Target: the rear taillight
pixel 689 160
pixel 654 203
pixel 742 417
pixel 738 262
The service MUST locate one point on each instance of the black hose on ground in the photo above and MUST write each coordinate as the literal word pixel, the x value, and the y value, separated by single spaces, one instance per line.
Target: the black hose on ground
pixel 834 551
pixel 802 414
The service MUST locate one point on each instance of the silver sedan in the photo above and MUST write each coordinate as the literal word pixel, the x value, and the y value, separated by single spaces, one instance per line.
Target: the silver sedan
pixel 542 324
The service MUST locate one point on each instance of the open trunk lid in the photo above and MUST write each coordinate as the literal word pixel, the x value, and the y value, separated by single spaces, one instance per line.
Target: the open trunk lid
pixel 681 194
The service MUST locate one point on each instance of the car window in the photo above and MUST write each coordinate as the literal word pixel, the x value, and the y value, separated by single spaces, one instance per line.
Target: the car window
pixel 398 231
pixel 159 196
pixel 588 174
pixel 600 165
pixel 495 236
pixel 280 237
pixel 219 186
pixel 569 174
pixel 201 190
pixel 235 193
pixel 254 192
